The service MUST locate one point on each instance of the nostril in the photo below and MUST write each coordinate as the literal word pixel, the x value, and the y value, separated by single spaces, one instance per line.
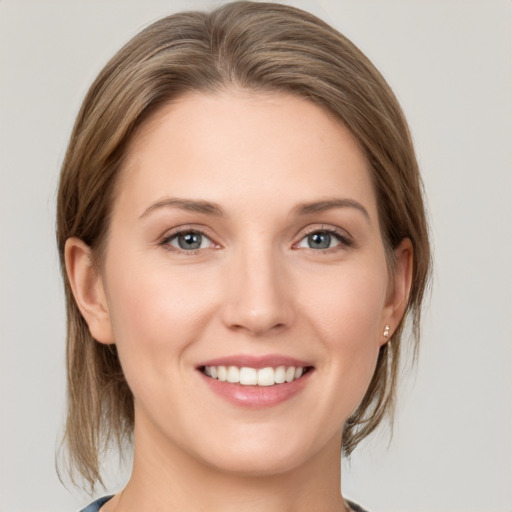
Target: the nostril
pixel 257 328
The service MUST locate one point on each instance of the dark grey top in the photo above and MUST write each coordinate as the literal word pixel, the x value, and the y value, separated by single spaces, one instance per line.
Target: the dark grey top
pixel 96 505
pixel 355 508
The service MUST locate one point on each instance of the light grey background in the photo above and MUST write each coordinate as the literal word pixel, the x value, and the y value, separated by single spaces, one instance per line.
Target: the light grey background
pixel 449 62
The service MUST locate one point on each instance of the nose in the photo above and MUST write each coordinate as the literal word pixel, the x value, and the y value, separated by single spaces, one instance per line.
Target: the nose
pixel 259 294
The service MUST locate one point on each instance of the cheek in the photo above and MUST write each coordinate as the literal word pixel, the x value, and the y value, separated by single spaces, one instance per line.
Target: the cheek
pixel 155 316
pixel 347 317
pixel 348 305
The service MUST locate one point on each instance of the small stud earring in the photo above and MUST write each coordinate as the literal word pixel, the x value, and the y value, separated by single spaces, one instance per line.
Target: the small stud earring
pixel 386 331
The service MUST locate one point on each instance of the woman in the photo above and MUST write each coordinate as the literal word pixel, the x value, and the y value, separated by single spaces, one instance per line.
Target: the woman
pixel 242 234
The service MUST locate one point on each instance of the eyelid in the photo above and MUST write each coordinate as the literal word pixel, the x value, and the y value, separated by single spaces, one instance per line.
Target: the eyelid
pixel 344 238
pixel 187 228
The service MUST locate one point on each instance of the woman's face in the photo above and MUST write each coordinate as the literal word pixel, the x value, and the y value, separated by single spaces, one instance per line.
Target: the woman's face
pixel 244 245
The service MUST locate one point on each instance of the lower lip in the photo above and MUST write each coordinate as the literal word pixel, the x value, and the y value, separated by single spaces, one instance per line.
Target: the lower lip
pixel 256 397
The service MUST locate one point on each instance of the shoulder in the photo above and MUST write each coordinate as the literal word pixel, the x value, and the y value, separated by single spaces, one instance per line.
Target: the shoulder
pixel 96 505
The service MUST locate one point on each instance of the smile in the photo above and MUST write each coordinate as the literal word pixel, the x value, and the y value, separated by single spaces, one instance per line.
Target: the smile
pixel 256 381
pixel 248 376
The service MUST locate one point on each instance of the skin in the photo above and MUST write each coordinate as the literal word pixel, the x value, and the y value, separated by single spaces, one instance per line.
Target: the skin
pixel 255 286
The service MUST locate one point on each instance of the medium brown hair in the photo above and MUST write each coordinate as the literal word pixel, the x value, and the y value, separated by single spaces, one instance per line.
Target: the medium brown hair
pixel 263 47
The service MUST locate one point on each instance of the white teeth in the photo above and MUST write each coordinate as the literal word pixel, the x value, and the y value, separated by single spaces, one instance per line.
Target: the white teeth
pixel 233 374
pixel 280 376
pixel 266 377
pixel 222 373
pixel 247 376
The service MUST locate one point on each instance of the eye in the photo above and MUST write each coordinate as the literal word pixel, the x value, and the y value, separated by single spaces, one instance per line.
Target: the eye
pixel 322 239
pixel 188 241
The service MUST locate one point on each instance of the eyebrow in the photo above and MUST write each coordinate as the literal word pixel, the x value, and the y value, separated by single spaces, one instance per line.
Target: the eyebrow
pixel 209 208
pixel 330 204
pixel 190 205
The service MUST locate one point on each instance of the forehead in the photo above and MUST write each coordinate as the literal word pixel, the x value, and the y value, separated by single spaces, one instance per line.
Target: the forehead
pixel 267 145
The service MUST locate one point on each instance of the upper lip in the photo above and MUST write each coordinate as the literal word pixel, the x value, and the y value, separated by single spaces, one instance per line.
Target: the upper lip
pixel 245 360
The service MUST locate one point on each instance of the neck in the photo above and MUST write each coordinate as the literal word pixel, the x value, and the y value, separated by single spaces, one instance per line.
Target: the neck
pixel 170 479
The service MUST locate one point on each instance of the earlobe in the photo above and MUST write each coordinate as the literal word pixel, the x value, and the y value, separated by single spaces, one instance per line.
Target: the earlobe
pixel 398 298
pixel 88 290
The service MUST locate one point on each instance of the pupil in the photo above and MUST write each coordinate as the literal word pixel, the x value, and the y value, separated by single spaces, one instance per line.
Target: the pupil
pixel 189 241
pixel 319 240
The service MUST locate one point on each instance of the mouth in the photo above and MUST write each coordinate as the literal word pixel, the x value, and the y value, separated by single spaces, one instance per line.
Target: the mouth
pixel 256 382
pixel 250 376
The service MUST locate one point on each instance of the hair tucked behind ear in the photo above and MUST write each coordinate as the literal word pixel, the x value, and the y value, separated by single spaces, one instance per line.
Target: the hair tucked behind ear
pixel 256 46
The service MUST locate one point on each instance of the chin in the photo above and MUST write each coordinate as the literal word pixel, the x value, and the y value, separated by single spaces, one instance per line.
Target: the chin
pixel 265 455
pixel 257 465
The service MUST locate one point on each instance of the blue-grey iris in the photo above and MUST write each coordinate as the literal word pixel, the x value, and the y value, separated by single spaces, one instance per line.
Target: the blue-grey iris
pixel 319 240
pixel 190 241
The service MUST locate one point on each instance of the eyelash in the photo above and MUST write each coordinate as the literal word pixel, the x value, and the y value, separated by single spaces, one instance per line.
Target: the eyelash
pixel 166 241
pixel 341 236
pixel 343 239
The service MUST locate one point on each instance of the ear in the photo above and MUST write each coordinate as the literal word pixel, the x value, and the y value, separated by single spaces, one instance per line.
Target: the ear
pixel 399 289
pixel 88 289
